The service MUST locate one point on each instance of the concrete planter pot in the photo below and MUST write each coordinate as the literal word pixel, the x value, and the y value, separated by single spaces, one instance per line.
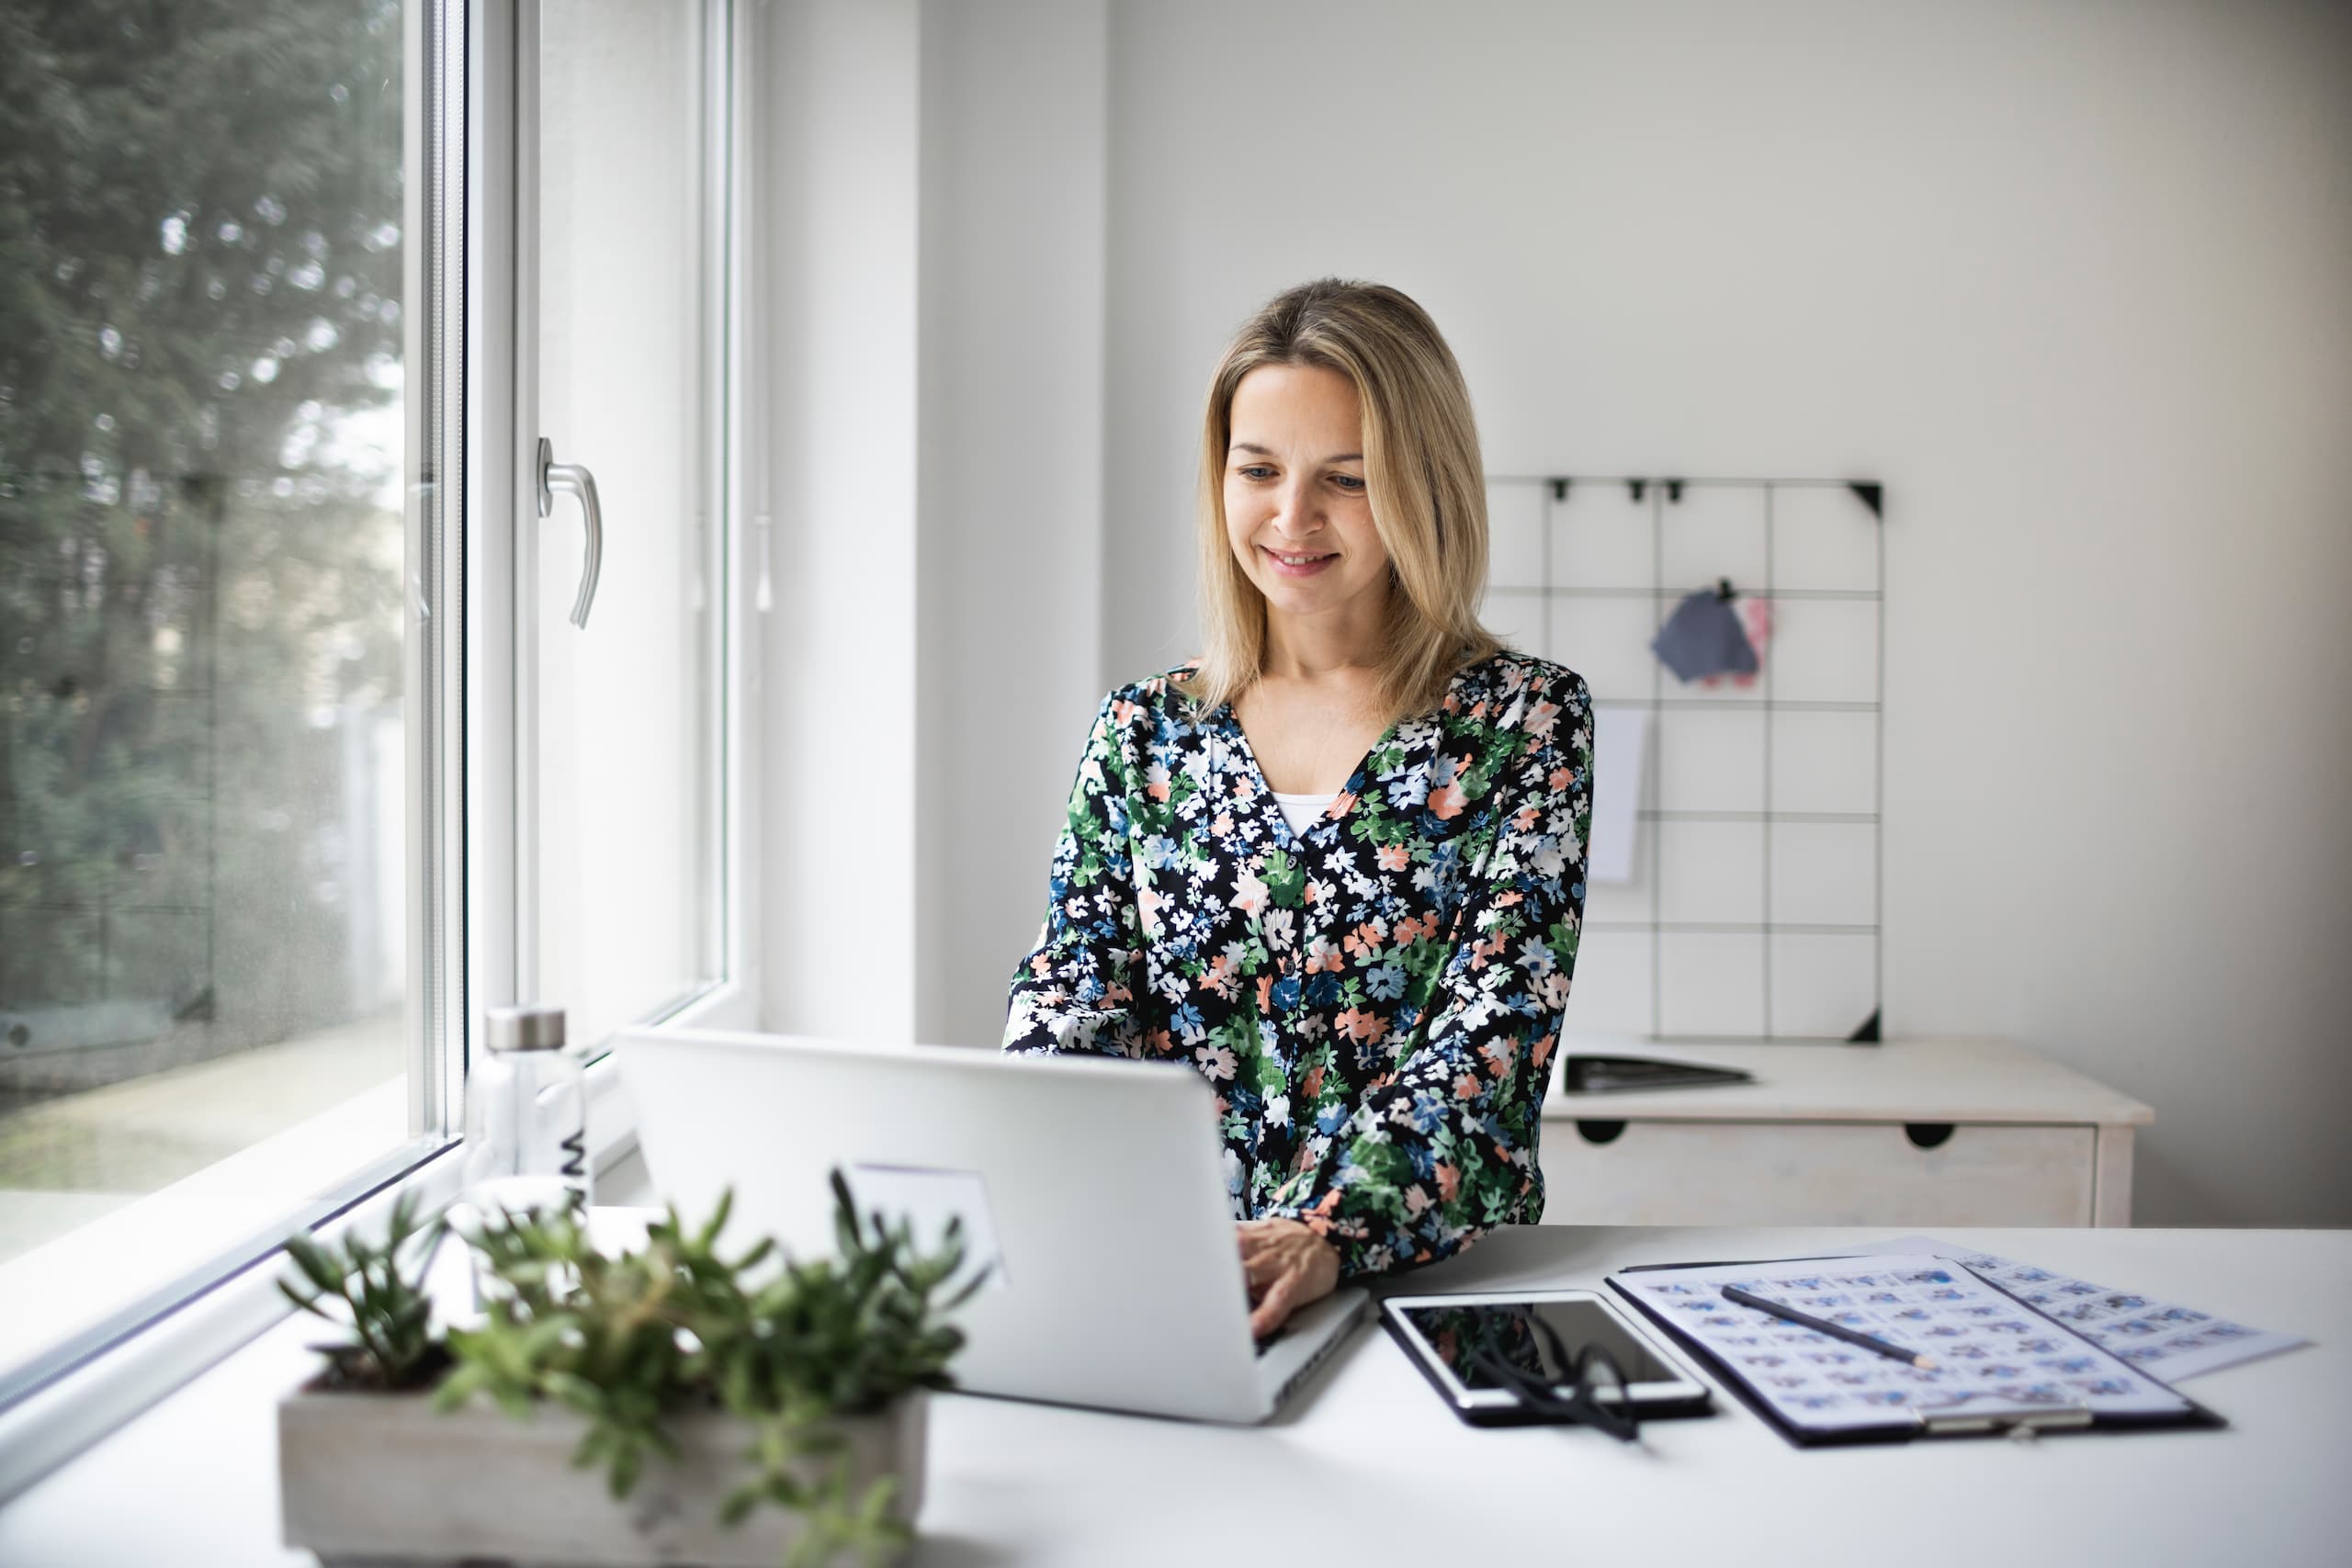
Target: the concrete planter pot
pixel 384 1481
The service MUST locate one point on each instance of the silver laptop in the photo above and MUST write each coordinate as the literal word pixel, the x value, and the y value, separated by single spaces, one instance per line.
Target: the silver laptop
pixel 1092 1190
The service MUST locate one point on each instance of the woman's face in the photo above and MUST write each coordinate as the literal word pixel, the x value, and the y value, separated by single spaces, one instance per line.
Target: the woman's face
pixel 1296 510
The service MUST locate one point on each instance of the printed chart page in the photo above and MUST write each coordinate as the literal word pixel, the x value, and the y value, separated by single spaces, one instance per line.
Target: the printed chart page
pixel 1995 1355
pixel 2162 1338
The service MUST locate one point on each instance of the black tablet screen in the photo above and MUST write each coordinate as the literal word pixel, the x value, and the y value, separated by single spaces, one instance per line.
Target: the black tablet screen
pixel 1502 1329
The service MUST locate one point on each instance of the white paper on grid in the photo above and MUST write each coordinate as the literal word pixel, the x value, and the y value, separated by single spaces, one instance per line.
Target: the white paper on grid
pixel 1618 736
pixel 1996 1356
pixel 2160 1339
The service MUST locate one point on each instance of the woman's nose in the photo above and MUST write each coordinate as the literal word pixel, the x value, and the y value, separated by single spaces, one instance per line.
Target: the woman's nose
pixel 1296 510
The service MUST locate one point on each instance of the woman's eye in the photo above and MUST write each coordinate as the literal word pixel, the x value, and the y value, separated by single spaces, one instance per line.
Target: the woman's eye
pixel 1256 471
pixel 1347 481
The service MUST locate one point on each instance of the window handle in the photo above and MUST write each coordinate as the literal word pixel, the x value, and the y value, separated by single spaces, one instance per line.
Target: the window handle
pixel 574 480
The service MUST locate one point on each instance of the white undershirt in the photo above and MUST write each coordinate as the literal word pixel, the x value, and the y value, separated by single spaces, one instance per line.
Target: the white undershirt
pixel 1301 810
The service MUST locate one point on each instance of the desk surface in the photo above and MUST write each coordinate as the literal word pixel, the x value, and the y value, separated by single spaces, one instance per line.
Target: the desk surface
pixel 1365 1466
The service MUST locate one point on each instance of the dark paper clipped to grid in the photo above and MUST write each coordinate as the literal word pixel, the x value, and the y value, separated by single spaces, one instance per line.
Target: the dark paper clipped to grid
pixel 1704 637
pixel 1997 1357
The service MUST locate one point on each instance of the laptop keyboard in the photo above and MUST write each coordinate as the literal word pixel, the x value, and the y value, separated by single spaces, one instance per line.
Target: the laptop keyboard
pixel 1322 1353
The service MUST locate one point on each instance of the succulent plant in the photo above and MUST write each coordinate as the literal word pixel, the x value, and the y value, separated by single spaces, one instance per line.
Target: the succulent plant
pixel 381 1299
pixel 786 1344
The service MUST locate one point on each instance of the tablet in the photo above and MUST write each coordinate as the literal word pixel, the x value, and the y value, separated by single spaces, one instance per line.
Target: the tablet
pixel 1434 1329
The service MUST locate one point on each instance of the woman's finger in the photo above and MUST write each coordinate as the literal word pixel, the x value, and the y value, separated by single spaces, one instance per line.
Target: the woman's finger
pixel 1274 1307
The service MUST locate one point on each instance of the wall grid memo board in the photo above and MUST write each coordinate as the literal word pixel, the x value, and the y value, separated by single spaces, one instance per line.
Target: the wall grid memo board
pixel 1753 912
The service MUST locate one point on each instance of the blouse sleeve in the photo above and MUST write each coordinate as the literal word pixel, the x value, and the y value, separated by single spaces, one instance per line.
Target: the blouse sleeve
pixel 1442 1147
pixel 1076 991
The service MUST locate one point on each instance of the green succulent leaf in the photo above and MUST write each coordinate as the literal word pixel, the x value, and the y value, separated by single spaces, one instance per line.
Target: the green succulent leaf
pixel 316 1264
pixel 626 1463
pixel 718 1221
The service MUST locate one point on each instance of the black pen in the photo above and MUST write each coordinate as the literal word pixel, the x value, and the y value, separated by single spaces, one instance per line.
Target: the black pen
pixel 1837 1330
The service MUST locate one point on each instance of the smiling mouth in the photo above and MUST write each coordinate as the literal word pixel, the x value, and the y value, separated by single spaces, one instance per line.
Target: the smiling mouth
pixel 1299 561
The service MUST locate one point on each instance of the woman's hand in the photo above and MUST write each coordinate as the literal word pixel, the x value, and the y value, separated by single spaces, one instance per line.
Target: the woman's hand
pixel 1287 1266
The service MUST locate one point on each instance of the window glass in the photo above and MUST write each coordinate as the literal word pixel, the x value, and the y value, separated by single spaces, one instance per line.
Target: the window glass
pixel 202 802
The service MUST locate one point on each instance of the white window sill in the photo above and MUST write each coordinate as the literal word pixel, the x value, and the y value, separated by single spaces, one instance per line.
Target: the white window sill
pixel 50 1427
pixel 61 1287
pixel 193 1481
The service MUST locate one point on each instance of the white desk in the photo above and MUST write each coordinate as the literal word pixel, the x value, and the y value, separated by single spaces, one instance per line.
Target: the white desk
pixel 1367 1467
pixel 1912 1134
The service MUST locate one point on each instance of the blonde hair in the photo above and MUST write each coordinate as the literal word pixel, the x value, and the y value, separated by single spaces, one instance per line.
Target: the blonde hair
pixel 1421 470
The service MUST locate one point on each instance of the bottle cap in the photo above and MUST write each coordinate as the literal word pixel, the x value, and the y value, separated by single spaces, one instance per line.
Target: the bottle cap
pixel 523 1028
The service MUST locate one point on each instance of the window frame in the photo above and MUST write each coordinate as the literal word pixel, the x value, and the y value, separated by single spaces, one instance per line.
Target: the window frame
pixel 472 546
pixel 503 966
pixel 67 1398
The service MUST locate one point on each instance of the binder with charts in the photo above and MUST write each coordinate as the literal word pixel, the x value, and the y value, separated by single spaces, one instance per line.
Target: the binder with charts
pixel 2001 1363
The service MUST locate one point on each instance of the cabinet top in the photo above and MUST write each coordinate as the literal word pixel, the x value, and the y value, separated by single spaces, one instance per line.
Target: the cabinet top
pixel 1901 1080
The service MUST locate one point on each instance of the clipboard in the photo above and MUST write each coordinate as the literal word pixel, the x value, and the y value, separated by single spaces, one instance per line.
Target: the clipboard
pixel 1953 1418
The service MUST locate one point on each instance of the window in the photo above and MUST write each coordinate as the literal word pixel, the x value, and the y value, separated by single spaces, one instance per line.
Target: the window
pixel 207 357
pixel 302 764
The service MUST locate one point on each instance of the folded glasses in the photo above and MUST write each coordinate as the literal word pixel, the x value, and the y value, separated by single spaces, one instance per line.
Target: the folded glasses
pixel 1581 1392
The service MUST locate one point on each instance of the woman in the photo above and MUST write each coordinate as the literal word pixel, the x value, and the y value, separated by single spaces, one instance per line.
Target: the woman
pixel 1336 862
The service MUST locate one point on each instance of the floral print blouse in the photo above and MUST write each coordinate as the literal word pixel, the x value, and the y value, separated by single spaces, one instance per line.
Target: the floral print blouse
pixel 1376 1000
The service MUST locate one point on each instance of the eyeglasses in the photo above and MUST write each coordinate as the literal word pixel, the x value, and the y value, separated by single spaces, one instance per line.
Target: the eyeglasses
pixel 1589 1389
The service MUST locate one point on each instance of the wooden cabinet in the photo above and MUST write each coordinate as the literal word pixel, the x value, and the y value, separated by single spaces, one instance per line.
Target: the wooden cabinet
pixel 1910 1133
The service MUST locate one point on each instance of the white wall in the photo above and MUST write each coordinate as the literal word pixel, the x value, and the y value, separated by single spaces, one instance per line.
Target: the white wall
pixel 2074 280
pixel 838 99
pixel 1010 657
pixel 933 280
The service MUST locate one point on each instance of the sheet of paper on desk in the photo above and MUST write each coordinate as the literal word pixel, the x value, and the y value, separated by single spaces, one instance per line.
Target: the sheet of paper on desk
pixel 1619 743
pixel 2163 1340
pixel 1995 1357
